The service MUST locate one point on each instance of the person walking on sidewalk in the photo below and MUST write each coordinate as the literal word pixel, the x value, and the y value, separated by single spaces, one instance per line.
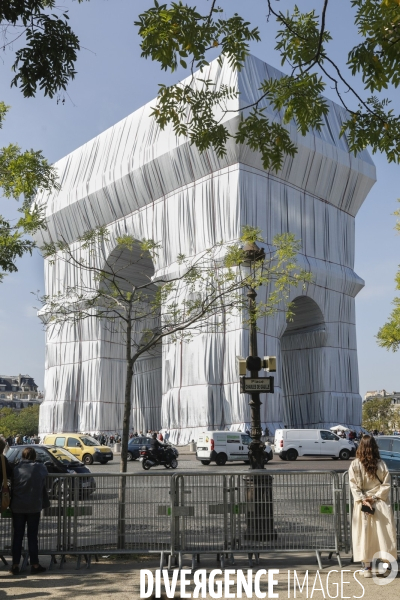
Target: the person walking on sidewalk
pixel 28 490
pixel 373 528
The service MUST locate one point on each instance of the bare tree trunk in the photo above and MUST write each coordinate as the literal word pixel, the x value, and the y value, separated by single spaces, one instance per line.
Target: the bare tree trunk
pixel 125 439
pixel 127 417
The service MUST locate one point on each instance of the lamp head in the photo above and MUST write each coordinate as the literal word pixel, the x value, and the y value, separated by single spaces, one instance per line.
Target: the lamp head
pixel 253 252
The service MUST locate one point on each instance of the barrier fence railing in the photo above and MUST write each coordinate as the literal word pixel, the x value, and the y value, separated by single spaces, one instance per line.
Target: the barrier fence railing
pixel 346 511
pixel 258 512
pixel 197 513
pixel 395 501
pixel 99 514
pixel 190 513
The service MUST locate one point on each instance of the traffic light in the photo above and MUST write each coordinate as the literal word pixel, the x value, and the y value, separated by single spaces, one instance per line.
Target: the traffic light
pixel 253 363
pixel 241 365
pixel 269 364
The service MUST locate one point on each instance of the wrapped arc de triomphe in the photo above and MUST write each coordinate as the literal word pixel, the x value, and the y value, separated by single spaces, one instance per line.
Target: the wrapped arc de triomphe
pixel 138 180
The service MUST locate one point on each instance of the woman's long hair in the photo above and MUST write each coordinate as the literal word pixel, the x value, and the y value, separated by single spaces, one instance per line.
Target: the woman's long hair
pixel 368 454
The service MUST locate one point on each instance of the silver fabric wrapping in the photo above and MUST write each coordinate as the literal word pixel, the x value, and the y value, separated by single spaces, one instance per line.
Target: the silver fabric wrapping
pixel 141 181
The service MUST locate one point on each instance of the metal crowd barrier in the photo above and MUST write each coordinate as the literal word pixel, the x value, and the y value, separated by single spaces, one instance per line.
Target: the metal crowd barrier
pixel 196 513
pixel 257 513
pixel 98 514
pixel 346 512
pixel 191 513
pixel 395 501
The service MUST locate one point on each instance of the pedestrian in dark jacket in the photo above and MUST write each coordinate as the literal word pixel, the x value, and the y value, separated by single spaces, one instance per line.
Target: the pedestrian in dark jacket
pixel 28 487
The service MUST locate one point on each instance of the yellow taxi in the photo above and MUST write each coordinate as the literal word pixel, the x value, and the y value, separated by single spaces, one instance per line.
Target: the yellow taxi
pixel 81 445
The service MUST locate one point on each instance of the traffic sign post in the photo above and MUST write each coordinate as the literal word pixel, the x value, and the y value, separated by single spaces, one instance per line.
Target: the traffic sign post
pixel 260 384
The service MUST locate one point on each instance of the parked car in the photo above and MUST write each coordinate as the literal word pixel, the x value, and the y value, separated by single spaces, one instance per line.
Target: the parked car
pixel 135 444
pixel 223 446
pixel 389 449
pixel 57 460
pixel 291 443
pixel 81 445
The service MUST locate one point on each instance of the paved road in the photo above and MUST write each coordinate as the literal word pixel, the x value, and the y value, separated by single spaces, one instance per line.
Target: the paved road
pixel 189 462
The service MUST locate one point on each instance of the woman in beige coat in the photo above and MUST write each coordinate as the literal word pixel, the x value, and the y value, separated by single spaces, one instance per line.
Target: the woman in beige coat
pixel 370 485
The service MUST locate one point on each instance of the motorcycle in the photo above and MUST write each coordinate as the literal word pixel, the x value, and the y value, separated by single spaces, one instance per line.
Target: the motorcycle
pixel 166 456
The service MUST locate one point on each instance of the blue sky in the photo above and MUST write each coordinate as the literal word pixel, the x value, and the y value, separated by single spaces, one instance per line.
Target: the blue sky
pixel 113 81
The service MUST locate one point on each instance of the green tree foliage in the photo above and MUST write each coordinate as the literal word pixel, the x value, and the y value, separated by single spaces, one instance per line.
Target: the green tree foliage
pixel 21 173
pixel 24 422
pixel 45 60
pixel 49 48
pixel 378 413
pixel 389 334
pixel 177 33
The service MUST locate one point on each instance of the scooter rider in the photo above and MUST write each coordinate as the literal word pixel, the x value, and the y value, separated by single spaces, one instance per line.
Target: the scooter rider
pixel 156 446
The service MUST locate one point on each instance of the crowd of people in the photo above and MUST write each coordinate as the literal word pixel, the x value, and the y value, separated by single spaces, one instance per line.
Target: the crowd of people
pixel 20 440
pixel 149 434
pixel 349 435
pixel 108 439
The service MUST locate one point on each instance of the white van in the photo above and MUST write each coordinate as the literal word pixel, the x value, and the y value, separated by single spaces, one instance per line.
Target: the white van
pixel 222 446
pixel 291 443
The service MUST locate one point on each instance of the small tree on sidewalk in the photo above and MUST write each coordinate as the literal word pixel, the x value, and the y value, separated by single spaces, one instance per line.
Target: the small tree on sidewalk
pixel 199 297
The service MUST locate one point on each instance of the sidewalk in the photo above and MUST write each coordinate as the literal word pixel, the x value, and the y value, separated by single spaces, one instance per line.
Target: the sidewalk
pixel 118 579
pixel 184 450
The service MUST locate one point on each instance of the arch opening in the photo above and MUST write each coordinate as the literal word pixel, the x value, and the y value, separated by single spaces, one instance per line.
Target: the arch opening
pixel 302 354
pixel 131 269
pixel 308 317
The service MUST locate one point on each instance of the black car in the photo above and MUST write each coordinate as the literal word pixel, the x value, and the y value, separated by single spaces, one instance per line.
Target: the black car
pixel 135 444
pixel 57 460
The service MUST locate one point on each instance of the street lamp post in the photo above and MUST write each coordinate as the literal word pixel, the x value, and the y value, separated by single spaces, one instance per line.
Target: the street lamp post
pixel 260 518
pixel 256 449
